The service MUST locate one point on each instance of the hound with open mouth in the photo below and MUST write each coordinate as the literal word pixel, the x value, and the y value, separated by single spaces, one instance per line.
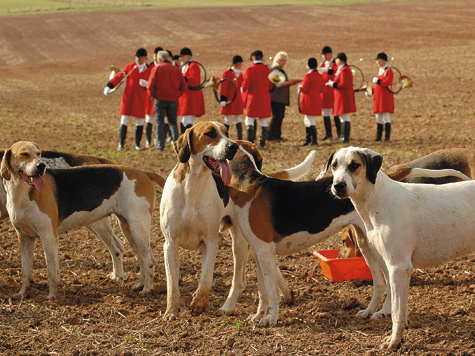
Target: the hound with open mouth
pixel 44 203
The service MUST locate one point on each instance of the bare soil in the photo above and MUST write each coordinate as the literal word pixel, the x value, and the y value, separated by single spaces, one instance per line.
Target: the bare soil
pixel 54 68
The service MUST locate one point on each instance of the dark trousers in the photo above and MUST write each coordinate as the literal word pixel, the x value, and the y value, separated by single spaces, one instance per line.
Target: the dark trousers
pixel 162 107
pixel 275 126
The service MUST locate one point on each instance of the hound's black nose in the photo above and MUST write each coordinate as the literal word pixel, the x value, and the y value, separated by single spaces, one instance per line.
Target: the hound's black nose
pixel 232 149
pixel 339 187
pixel 41 167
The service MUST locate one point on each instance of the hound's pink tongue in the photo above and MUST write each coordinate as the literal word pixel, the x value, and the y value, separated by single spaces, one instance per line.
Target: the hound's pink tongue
pixel 225 172
pixel 37 182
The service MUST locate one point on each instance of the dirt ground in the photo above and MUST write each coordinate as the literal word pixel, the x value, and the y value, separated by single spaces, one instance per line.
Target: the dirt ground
pixel 54 68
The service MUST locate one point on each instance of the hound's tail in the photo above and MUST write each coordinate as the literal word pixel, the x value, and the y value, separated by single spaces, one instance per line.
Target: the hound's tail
pixel 297 172
pixel 156 178
pixel 426 173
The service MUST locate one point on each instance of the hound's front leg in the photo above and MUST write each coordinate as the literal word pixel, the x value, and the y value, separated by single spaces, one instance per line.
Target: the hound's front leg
pixel 27 249
pixel 50 247
pixel 266 263
pixel 208 259
pixel 399 280
pixel 172 269
pixel 240 254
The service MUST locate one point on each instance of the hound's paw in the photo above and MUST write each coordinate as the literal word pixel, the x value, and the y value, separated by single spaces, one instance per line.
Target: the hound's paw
pixel 226 311
pixel 171 314
pixel 116 278
pixel 137 287
pixel 289 299
pixel 390 344
pixel 365 313
pixel 198 305
pixel 145 291
pixel 268 321
pixel 380 314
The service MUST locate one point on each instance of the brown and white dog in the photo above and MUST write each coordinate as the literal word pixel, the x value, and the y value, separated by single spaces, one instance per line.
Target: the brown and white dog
pixel 284 217
pixel 44 204
pixel 195 205
pixel 407 225
pixel 349 247
pixel 102 228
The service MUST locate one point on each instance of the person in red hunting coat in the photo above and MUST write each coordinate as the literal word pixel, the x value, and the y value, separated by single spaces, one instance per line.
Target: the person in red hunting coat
pixel 383 99
pixel 328 69
pixel 228 91
pixel 256 87
pixel 150 109
pixel 344 96
pixel 311 100
pixel 134 99
pixel 191 104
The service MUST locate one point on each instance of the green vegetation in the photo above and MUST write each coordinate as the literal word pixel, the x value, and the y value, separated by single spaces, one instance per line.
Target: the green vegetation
pixel 23 7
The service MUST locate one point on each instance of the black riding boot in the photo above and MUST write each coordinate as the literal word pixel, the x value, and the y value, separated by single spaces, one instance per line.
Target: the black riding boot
pixel 148 134
pixel 387 131
pixel 379 132
pixel 251 135
pixel 239 130
pixel 122 136
pixel 346 132
pixel 337 121
pixel 262 139
pixel 138 137
pixel 313 135
pixel 328 128
pixel 308 137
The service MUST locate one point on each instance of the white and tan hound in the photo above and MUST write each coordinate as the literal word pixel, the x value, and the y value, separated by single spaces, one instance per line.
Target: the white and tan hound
pixel 102 228
pixel 407 225
pixel 46 203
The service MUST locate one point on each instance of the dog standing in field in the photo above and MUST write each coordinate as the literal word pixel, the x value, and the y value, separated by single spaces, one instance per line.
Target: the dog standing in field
pixel 46 203
pixel 102 228
pixel 196 205
pixel 407 225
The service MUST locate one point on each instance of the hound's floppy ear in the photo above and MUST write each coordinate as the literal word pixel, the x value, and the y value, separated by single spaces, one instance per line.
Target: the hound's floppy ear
pixel 373 165
pixel 257 158
pixel 183 146
pixel 326 166
pixel 5 170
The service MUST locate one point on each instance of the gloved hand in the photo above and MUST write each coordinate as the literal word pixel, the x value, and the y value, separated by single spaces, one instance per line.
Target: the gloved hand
pixel 143 83
pixel 375 80
pixel 329 83
pixel 299 89
pixel 366 94
pixel 106 91
pixel 222 103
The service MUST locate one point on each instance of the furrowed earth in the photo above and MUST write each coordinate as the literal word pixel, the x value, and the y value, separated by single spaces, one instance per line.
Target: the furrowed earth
pixel 54 68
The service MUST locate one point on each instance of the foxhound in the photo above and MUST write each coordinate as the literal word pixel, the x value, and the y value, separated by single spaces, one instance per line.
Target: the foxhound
pixel 44 203
pixel 102 228
pixel 407 225
pixel 349 246
pixel 195 206
pixel 284 217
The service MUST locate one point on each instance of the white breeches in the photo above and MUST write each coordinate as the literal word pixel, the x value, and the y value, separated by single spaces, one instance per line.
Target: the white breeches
pixel 383 118
pixel 124 120
pixel 228 119
pixel 309 120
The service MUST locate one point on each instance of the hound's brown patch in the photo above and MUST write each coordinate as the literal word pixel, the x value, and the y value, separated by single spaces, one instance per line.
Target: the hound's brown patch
pixel 181 171
pixel 260 219
pixel 46 200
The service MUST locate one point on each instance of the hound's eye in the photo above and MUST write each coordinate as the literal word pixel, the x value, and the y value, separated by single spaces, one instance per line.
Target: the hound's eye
pixel 211 134
pixel 25 154
pixel 334 165
pixel 353 166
